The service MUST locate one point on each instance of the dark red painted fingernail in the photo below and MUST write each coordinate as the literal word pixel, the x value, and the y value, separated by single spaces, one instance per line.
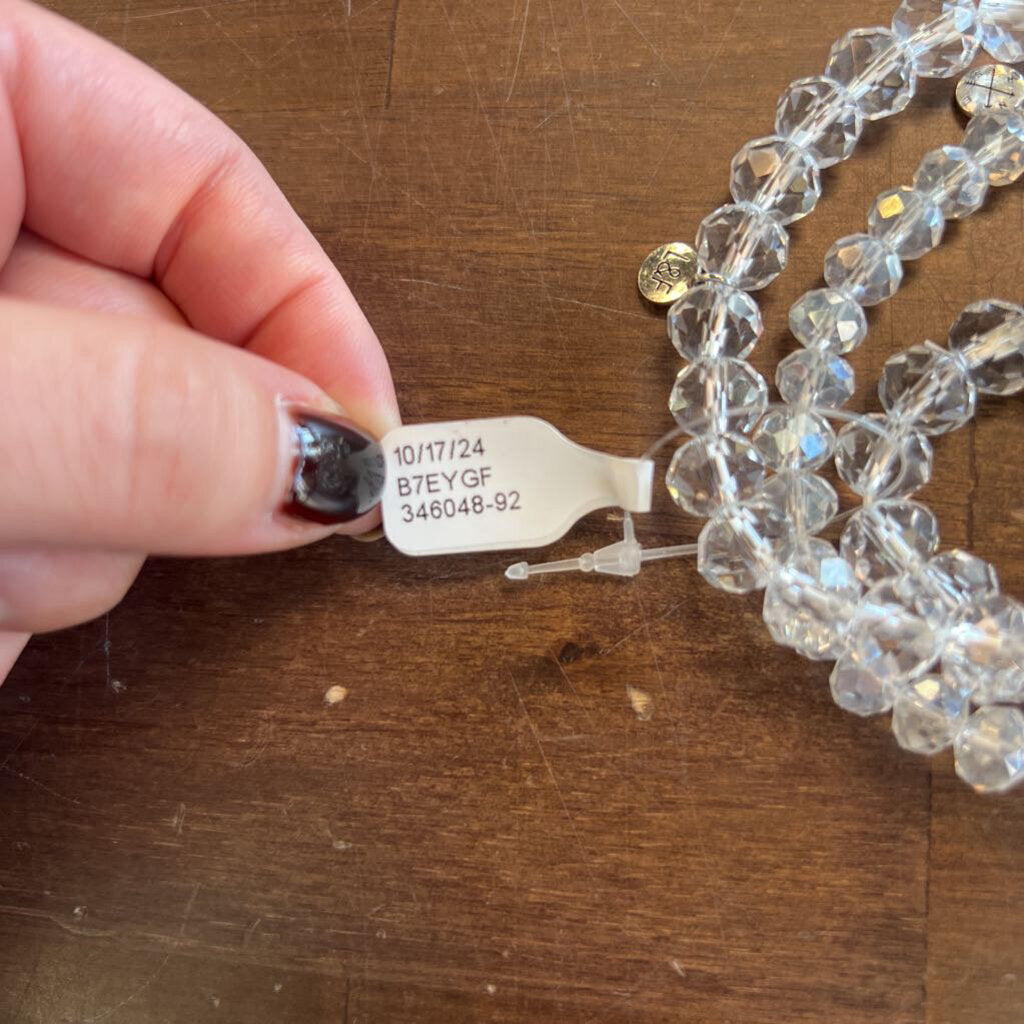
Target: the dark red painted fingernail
pixel 339 470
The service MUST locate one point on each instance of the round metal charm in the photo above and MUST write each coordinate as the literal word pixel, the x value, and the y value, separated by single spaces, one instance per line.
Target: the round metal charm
pixel 668 272
pixel 992 87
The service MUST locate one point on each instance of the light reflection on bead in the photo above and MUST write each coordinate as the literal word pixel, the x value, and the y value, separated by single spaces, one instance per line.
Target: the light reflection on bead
pixel 820 115
pixel 989 336
pixel 740 545
pixel 989 749
pixel 713 319
pixel 828 320
pixel 927 715
pixel 810 600
pixel 708 472
pixel 876 68
pixel 858 689
pixel 985 651
pixel 887 538
pixel 863 268
pixel 809 502
pixel 812 377
pixel 907 221
pixel 882 463
pixel 926 388
pixel 794 439
pixel 1002 29
pixel 715 396
pixel 954 180
pixel 743 244
pixel 942 35
pixel 888 638
pixel 943 587
pixel 778 176
pixel 996 141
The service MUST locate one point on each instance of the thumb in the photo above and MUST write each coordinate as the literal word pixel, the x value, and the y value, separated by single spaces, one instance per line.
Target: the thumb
pixel 134 435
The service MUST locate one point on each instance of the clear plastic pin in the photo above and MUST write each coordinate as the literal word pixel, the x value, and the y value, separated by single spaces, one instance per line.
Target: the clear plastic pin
pixel 623 558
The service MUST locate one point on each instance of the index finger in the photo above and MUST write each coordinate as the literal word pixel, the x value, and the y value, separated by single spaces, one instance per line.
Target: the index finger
pixel 123 168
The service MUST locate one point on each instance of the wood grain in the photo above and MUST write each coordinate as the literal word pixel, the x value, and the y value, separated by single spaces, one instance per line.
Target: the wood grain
pixel 485 830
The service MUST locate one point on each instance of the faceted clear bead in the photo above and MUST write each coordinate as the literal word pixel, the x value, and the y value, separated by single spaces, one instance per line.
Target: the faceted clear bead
pixel 820 115
pixel 741 544
pixel 889 638
pixel 715 396
pixel 927 388
pixel 907 221
pixel 815 377
pixel 808 501
pixel 794 439
pixel 954 180
pixel 882 463
pixel 777 175
pixel 942 35
pixel 708 472
pixel 810 600
pixel 943 587
pixel 712 320
pixel 989 336
pixel 887 538
pixel 989 750
pixel 996 141
pixel 863 268
pixel 858 689
pixel 984 655
pixel 876 68
pixel 828 320
pixel 1002 29
pixel 927 715
pixel 743 244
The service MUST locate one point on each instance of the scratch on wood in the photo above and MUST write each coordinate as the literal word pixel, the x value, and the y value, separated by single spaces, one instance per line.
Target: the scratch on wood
pixel 230 38
pixel 178 10
pixel 551 774
pixel 392 35
pixel 72 929
pixel 639 31
pixel 519 55
pixel 575 693
pixel 251 930
pixel 639 629
pixel 603 309
pixel 568 98
pixel 178 820
pixel 188 909
pixel 135 995
pixel 39 785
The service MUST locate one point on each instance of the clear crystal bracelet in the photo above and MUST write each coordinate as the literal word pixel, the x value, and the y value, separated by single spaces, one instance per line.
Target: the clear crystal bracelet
pixel 884 607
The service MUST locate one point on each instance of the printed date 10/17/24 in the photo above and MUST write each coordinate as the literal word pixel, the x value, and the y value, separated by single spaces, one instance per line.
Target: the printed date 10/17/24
pixel 443 450
pixel 449 508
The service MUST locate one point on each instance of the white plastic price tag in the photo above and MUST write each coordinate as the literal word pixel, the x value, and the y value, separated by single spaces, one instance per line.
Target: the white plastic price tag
pixel 495 484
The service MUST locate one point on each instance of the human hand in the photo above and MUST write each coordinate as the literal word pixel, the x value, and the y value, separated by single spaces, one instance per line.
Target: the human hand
pixel 136 228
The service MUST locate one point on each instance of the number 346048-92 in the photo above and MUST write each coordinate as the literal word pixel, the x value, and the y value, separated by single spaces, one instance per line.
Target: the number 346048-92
pixel 449 508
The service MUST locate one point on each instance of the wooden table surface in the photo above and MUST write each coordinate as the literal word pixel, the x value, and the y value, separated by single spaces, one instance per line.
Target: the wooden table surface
pixel 488 827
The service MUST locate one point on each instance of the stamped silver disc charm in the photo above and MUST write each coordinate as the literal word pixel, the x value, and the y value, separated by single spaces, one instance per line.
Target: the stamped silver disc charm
pixel 992 87
pixel 667 273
